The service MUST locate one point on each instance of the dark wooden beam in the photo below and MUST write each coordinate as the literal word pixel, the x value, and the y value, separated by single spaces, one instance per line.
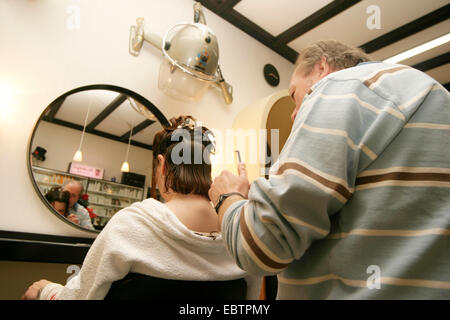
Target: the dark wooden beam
pixel 141 126
pixel 320 16
pixel 106 112
pixel 56 105
pixel 249 27
pixel 116 138
pixel 408 29
pixel 219 6
pixel 228 4
pixel 99 133
pixel 433 62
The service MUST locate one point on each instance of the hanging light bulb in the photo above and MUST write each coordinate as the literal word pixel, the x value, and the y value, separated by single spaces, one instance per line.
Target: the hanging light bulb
pixel 141 109
pixel 125 166
pixel 79 155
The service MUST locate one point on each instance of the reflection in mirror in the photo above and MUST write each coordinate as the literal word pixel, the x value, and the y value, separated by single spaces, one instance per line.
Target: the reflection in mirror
pixel 109 125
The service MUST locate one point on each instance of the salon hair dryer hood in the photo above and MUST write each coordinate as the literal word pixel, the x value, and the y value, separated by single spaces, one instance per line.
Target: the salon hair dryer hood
pixel 195 47
pixel 191 61
pixel 191 58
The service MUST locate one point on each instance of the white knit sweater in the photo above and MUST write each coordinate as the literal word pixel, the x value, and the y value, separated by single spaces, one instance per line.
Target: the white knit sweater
pixel 148 238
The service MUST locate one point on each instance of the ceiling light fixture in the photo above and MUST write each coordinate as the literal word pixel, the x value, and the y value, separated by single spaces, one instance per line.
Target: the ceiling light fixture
pixel 419 49
pixel 125 166
pixel 79 155
pixel 141 109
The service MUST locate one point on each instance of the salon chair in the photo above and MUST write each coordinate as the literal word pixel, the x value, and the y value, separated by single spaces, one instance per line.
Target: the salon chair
pixel 142 287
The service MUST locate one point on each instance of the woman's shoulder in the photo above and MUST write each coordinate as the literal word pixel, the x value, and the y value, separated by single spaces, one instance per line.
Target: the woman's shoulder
pixel 138 216
pixel 142 206
pixel 148 209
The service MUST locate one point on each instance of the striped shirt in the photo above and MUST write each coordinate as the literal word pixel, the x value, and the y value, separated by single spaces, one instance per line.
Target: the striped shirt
pixel 358 204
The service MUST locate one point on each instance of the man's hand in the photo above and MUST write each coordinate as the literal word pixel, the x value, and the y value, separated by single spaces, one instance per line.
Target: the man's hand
pixel 73 218
pixel 33 291
pixel 227 182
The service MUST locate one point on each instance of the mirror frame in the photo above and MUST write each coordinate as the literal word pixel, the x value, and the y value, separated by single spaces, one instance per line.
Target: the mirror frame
pixel 143 101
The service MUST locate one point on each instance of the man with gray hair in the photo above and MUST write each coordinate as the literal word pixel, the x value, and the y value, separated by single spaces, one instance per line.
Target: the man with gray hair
pixel 357 205
pixel 77 213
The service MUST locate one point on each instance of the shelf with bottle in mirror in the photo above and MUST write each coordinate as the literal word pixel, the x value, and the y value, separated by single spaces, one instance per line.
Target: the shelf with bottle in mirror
pixel 115 190
pixel 103 214
pixel 48 178
pixel 107 198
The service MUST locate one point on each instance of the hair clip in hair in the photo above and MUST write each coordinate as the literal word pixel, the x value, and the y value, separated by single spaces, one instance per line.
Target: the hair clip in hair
pixel 212 139
pixel 188 123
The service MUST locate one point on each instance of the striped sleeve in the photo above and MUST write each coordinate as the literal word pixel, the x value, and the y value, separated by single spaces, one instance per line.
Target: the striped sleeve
pixel 341 128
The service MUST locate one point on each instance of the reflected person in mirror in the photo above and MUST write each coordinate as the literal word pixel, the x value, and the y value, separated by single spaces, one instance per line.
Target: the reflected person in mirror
pixel 77 213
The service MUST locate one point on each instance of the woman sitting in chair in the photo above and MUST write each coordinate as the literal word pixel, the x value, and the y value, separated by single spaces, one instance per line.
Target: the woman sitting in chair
pixel 176 240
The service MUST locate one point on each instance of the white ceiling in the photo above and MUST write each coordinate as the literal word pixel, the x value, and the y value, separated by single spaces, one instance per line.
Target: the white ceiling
pixel 350 26
pixel 75 107
pixel 346 22
pixel 120 120
pixel 275 16
pixel 146 136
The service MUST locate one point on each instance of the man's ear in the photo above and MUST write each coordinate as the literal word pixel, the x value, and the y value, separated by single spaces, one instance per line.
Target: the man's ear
pixel 323 68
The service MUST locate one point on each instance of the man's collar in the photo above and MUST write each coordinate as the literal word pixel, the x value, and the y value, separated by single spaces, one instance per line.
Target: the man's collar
pixel 310 90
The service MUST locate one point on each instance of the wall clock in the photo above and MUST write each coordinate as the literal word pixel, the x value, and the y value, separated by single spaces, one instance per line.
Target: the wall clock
pixel 271 75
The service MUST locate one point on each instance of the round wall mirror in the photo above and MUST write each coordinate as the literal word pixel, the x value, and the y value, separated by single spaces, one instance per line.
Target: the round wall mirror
pixel 90 153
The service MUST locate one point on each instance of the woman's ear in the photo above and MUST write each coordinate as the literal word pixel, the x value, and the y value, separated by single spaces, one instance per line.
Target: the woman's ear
pixel 162 163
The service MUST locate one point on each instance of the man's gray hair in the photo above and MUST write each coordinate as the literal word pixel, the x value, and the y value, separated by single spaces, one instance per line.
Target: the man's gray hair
pixel 338 55
pixel 76 182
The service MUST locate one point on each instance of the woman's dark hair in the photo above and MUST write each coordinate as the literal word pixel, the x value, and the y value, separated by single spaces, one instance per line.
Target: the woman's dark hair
pixel 186 177
pixel 56 194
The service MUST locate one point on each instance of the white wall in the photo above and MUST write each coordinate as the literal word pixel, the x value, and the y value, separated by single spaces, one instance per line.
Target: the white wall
pixel 41 58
